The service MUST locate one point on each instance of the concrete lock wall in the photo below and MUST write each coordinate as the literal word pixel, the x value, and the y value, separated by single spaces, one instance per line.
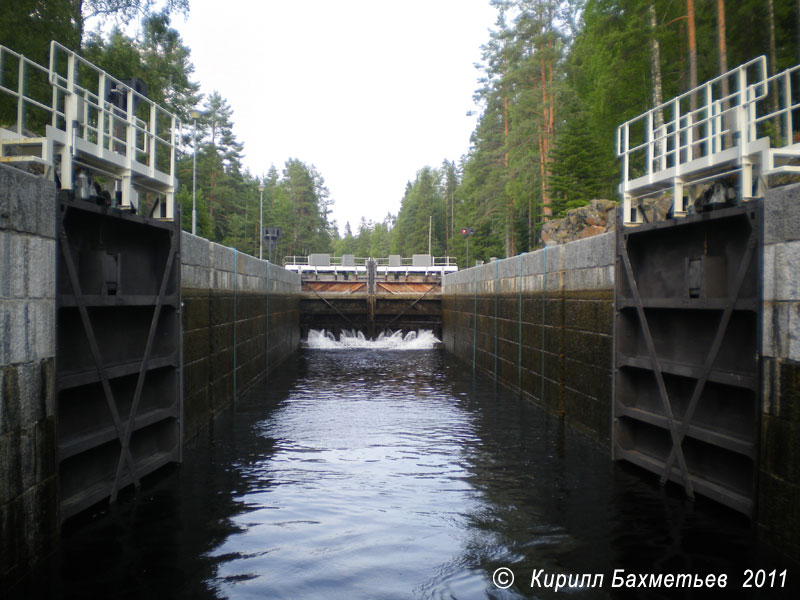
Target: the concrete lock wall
pixel 779 465
pixel 235 329
pixel 566 357
pixel 541 322
pixel 28 477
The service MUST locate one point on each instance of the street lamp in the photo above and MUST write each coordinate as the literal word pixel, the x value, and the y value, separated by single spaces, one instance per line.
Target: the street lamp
pixel 194 114
pixel 261 223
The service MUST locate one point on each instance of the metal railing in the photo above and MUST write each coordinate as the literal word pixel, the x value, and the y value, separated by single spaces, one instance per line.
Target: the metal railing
pixel 16 72
pixel 65 116
pixel 337 261
pixel 728 125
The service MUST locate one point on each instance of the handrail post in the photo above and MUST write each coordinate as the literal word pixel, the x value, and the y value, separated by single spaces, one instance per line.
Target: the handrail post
pixel 709 122
pixel 70 120
pixel 101 116
pixel 625 157
pixel 174 124
pixel 787 95
pixel 676 116
pixel 152 131
pixel 650 142
pixel 20 93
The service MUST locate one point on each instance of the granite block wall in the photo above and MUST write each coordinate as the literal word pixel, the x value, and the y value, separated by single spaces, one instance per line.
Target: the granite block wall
pixel 241 318
pixel 779 465
pixel 541 323
pixel 28 476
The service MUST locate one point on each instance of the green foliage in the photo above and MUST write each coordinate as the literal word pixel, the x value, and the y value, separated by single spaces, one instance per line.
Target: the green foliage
pixel 600 54
pixel 159 58
pixel 27 26
pixel 557 78
pixel 421 216
pixel 579 172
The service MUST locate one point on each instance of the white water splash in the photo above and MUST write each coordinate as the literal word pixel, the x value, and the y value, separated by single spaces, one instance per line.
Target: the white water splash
pixel 422 340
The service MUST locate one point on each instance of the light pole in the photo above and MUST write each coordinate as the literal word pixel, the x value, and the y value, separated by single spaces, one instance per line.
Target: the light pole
pixel 261 223
pixel 466 232
pixel 194 114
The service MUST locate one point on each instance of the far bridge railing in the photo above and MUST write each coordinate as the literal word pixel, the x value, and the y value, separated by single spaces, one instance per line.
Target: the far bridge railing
pixel 349 264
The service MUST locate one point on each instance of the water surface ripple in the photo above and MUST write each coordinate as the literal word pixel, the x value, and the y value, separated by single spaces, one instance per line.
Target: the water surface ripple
pixel 369 474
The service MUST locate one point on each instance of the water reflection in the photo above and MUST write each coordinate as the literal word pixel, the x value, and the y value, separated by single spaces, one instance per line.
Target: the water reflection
pixel 365 474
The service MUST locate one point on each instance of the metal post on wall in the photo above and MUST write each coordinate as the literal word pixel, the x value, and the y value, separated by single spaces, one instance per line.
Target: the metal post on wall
pixel 235 278
pixel 195 114
pixel 261 222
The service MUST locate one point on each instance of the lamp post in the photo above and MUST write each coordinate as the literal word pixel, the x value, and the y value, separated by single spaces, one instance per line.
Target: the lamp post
pixel 466 232
pixel 261 223
pixel 194 114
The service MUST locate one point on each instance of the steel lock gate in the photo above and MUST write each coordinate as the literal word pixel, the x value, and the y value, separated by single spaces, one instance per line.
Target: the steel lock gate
pixel 687 332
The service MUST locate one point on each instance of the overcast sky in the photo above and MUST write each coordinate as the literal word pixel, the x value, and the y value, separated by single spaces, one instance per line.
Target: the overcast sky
pixel 368 91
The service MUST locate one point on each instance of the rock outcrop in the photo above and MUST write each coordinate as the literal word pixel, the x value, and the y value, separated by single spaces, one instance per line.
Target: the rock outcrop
pixel 596 217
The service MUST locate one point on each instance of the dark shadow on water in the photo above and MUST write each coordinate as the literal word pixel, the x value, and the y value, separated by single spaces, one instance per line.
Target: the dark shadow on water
pixel 382 474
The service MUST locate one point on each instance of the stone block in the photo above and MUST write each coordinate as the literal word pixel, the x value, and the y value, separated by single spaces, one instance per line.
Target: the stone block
pixel 5 263
pixel 31 395
pixel 552 256
pixel 195 376
pixel 587 413
pixel 250 265
pixel 14 338
pixel 3 370
pixel 26 202
pixel 221 338
pixel 553 281
pixel 221 257
pixel 196 312
pixel 42 268
pixel 46 224
pixel 40 510
pixel 18 263
pixel 221 391
pixel 221 280
pixel 43 314
pixel 27 458
pixel 782 214
pixel 607 277
pixel 768 272
pixel 196 345
pixel 776 329
pixel 10 480
pixel 195 250
pixel 791 217
pixel 787 271
pixel 605 317
pixel 580 314
pixel 9 399
pixel 773 221
pixel 9 544
pixel 508 267
pixel 532 263
pixel 779 512
pixel 252 283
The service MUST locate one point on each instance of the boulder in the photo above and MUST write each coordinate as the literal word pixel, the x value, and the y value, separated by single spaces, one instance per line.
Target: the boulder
pixel 596 217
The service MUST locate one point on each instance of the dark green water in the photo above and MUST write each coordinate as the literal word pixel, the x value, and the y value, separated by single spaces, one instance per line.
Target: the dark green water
pixel 369 474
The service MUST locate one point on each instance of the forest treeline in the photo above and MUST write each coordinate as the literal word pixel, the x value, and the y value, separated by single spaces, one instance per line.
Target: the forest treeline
pixel 556 78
